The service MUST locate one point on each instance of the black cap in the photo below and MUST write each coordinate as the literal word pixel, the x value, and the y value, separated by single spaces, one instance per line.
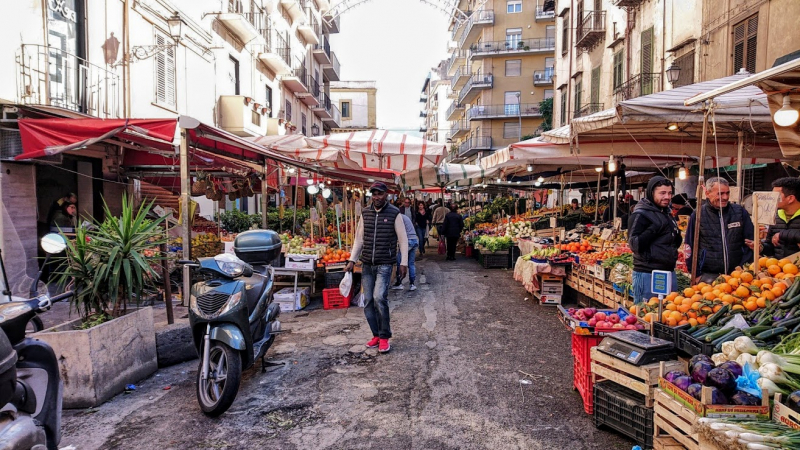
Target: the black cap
pixel 378 186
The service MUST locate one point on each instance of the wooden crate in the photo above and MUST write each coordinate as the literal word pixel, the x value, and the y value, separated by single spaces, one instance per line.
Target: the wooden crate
pixel 642 379
pixel 666 443
pixel 674 420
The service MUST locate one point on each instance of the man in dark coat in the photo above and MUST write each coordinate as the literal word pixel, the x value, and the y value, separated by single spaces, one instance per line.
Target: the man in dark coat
pixel 653 236
pixel 452 228
pixel 726 233
pixel 783 238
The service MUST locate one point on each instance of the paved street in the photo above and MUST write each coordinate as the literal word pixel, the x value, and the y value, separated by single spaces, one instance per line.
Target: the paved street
pixel 452 381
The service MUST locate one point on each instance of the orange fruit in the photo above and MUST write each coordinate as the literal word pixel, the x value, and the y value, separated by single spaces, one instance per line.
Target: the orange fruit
pixel 649 317
pixel 761 302
pixel 671 322
pixel 692 314
pixel 725 287
pixel 774 269
pixel 736 308
pixel 696 306
pixel 671 307
pixel 751 306
pixel 736 274
pixel 717 308
pixel 701 319
pixel 768 295
pixel 746 277
pixel 672 296
pixel 653 301
pixel 706 289
pixel 742 291
pixel 688 292
pixel 684 308
pixel 697 297
pixel 683 322
pixel 790 269
pixel 772 262
pixel 709 296
pixel 734 282
pixel 762 262
pixel 756 283
pixel 693 321
pixel 679 300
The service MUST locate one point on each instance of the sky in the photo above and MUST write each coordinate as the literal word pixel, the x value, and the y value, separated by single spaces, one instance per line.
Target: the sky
pixel 395 43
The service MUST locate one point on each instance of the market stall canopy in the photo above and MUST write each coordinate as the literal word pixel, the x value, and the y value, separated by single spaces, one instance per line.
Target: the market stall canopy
pixel 383 150
pixel 445 175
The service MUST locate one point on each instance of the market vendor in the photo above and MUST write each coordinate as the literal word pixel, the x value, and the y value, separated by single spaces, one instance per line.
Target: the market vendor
pixel 726 233
pixel 653 236
pixel 783 238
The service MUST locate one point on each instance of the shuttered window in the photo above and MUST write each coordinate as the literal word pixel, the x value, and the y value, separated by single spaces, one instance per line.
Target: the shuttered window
pixel 686 63
pixel 578 92
pixel 165 72
pixel 288 110
pixel 745 41
pixel 513 67
pixel 564 37
pixel 511 130
pixel 595 85
pixel 618 74
pixel 563 107
pixel 647 61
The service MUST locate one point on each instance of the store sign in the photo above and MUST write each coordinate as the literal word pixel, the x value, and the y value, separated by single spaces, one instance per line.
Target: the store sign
pixel 661 282
pixel 60 7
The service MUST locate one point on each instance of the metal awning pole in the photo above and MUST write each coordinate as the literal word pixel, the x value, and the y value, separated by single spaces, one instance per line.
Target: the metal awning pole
pixel 740 136
pixel 597 197
pixel 699 196
pixel 294 202
pixel 264 196
pixel 186 230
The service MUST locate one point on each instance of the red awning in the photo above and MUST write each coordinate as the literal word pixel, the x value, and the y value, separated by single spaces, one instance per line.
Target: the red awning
pixel 45 137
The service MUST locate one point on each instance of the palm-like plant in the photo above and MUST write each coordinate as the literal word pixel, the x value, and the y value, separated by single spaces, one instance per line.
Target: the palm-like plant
pixel 78 268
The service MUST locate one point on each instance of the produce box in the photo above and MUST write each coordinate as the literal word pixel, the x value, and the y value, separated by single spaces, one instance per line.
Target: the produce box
pixel 623 410
pixel 692 346
pixel 640 379
pixel 583 328
pixel 300 262
pixel 784 415
pixel 289 300
pixel 548 299
pixel 704 408
pixel 671 419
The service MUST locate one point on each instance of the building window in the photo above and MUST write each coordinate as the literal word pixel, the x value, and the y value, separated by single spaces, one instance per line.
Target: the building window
pixel 513 6
pixel 165 71
pixel 686 63
pixel 511 101
pixel 595 94
pixel 578 92
pixel 647 61
pixel 234 74
pixel 288 110
pixel 268 101
pixel 511 130
pixel 563 107
pixel 548 93
pixel 618 74
pixel 513 37
pixel 745 40
pixel 344 107
pixel 564 37
pixel 303 123
pixel 513 67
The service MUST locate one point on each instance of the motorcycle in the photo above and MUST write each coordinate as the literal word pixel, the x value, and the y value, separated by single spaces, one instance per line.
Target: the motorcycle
pixel 232 317
pixel 30 381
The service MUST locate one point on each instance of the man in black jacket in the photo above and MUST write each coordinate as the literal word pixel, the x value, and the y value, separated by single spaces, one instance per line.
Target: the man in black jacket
pixel 726 233
pixel 783 238
pixel 653 236
pixel 452 228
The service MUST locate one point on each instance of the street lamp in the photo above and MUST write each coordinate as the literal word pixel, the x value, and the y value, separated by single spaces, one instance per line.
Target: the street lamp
pixel 315 130
pixel 519 114
pixel 140 52
pixel 673 73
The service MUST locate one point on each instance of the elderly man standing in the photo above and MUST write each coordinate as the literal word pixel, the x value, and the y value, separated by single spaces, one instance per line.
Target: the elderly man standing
pixel 726 233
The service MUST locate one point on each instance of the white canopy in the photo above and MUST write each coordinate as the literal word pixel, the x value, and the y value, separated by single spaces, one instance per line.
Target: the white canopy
pixel 444 175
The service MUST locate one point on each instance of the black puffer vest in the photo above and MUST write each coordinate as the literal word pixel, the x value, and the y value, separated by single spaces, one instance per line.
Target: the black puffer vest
pixel 380 239
pixel 713 245
pixel 663 251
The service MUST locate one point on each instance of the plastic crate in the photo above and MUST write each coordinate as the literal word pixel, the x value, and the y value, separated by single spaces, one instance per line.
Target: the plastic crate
pixel 692 346
pixel 623 410
pixel 514 255
pixel 332 279
pixel 667 333
pixel 494 260
pixel 583 382
pixel 332 299
pixel 581 348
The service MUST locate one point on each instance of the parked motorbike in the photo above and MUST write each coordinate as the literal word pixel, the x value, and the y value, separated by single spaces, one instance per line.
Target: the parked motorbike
pixel 232 317
pixel 30 381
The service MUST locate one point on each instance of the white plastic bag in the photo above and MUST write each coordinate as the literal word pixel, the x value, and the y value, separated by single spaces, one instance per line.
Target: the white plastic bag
pixel 346 285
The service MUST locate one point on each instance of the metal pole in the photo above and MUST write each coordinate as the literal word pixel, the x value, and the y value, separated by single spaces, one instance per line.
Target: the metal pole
pixel 597 197
pixel 616 197
pixel 186 231
pixel 519 115
pixel 294 203
pixel 699 196
pixel 264 196
pixel 167 286
pixel 740 136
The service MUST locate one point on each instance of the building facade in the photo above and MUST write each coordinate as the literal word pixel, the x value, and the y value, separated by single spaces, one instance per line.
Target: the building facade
pixel 357 103
pixel 435 104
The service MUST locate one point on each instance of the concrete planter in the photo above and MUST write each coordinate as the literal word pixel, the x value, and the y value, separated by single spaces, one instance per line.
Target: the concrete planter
pixel 97 363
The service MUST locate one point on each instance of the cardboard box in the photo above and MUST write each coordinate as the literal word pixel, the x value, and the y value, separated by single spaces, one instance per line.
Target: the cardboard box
pixel 549 299
pixel 291 301
pixel 300 262
pixel 783 415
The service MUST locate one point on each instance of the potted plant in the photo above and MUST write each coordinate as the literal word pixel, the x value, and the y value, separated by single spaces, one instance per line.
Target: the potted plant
pixel 109 266
pixel 520 45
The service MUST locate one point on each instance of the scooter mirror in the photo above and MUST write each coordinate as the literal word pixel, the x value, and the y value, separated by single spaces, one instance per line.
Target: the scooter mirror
pixel 53 243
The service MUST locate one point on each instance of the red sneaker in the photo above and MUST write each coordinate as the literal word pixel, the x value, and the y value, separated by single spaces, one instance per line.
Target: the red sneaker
pixel 373 342
pixel 384 346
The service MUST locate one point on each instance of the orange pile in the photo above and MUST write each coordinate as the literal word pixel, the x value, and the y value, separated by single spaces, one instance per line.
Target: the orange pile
pixel 745 290
pixel 335 256
pixel 576 247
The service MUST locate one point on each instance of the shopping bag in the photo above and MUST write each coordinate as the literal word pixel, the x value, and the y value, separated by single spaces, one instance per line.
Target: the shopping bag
pixel 346 285
pixel 442 248
pixel 433 233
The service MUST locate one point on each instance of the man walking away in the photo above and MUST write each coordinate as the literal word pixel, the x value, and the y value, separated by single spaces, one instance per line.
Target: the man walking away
pixel 438 217
pixel 413 243
pixel 783 238
pixel 653 236
pixel 452 227
pixel 378 233
pixel 726 233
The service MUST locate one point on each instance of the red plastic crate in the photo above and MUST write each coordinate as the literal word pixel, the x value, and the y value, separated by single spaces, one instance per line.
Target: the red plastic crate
pixel 332 299
pixel 582 381
pixel 581 346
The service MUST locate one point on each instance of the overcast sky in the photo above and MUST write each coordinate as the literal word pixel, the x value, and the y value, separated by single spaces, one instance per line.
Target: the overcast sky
pixel 396 43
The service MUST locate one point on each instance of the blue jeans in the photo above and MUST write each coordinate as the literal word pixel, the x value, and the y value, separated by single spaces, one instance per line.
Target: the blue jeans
pixel 375 284
pixel 412 268
pixel 420 238
pixel 641 286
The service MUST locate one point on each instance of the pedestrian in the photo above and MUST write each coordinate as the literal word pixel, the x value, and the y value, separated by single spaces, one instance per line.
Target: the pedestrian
pixel 65 219
pixel 681 206
pixel 726 233
pixel 379 232
pixel 438 217
pixel 783 238
pixel 413 243
pixel 653 236
pixel 58 204
pixel 452 227
pixel 408 210
pixel 422 221
pixel 574 206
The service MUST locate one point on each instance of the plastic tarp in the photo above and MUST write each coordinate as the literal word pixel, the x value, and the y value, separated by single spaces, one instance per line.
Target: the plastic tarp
pixel 444 175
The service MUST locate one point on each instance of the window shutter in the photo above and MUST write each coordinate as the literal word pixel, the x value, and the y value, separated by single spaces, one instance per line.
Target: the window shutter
pixel 738 46
pixel 647 51
pixel 513 67
pixel 170 72
pixel 164 72
pixel 595 85
pixel 617 69
pixel 563 107
pixel 745 43
pixel 752 33
pixel 578 92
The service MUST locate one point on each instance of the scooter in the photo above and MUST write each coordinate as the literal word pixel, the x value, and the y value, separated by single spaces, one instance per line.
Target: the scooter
pixel 30 381
pixel 232 317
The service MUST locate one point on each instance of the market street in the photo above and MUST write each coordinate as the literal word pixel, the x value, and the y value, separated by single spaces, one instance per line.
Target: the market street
pixel 452 380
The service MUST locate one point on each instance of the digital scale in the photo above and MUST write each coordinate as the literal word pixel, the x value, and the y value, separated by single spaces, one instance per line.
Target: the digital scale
pixel 637 348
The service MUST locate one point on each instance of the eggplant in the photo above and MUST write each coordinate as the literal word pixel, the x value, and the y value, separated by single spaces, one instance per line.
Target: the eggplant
pixel 733 366
pixel 682 382
pixel 670 376
pixel 721 379
pixel 700 371
pixel 695 390
pixel 744 399
pixel 700 357
pixel 718 398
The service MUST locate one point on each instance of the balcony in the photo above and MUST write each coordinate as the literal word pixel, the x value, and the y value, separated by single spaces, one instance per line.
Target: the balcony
pixel 545 15
pixel 52 77
pixel 460 78
pixel 530 46
pixel 456 59
pixel 474 86
pixel 642 84
pixel 241 116
pixel 332 24
pixel 423 113
pixel 451 94
pixel 587 109
pixel 295 9
pixel 322 51
pixel 455 111
pixel 323 107
pixel 482 112
pixel 543 77
pixel 245 26
pixel 627 3
pixel 332 70
pixel 591 30
pixel 435 105
pixel 459 128
pixel 423 128
pixel 477 21
pixel 276 54
pixel 309 27
pixel 473 145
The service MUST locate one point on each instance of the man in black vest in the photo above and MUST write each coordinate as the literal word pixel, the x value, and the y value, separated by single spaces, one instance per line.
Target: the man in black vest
pixel 726 233
pixel 379 230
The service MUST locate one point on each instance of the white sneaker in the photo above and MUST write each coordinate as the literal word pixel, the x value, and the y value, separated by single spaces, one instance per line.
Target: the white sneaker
pixel 397 287
pixel 413 287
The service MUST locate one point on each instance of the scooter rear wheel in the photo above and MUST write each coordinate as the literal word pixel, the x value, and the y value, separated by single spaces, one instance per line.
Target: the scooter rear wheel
pixel 216 394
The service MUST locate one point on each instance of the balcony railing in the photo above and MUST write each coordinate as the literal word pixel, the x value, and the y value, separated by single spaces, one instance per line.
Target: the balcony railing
pixel 627 3
pixel 530 45
pixel 589 108
pixel 322 51
pixel 543 77
pixel 482 17
pixel 455 108
pixel 333 24
pixel 642 84
pixel 481 112
pixel 53 77
pixel 423 97
pixel 474 144
pixel 476 82
pixel 235 6
pixel 542 14
pixel 332 70
pixel 591 29
pixel 458 128
pixel 256 19
pixel 423 113
pixel 456 57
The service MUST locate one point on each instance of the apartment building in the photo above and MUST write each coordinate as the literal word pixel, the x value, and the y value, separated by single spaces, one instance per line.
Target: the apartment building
pixel 435 104
pixel 501 67
pixel 357 103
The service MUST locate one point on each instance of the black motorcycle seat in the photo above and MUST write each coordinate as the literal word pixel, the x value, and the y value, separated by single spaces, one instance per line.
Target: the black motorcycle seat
pixel 254 288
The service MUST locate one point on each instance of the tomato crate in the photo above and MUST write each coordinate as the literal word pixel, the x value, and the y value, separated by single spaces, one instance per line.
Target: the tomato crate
pixel 623 410
pixel 581 349
pixel 332 299
pixel 583 383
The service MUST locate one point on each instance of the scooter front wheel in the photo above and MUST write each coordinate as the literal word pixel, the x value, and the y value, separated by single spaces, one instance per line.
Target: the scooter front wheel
pixel 216 394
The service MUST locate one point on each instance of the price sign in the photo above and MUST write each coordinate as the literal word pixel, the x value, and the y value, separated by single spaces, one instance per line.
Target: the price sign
pixel 767 206
pixel 562 235
pixel 618 223
pixel 314 216
pixel 607 233
pixel 596 231
pixel 660 282
pixel 553 222
pixel 338 209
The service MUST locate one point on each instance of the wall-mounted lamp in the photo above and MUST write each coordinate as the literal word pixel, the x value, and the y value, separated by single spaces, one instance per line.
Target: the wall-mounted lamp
pixel 673 73
pixel 612 164
pixel 313 190
pixel 673 127
pixel 598 169
pixel 315 130
pixel 786 116
pixel 530 168
pixel 140 52
pixel 682 173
